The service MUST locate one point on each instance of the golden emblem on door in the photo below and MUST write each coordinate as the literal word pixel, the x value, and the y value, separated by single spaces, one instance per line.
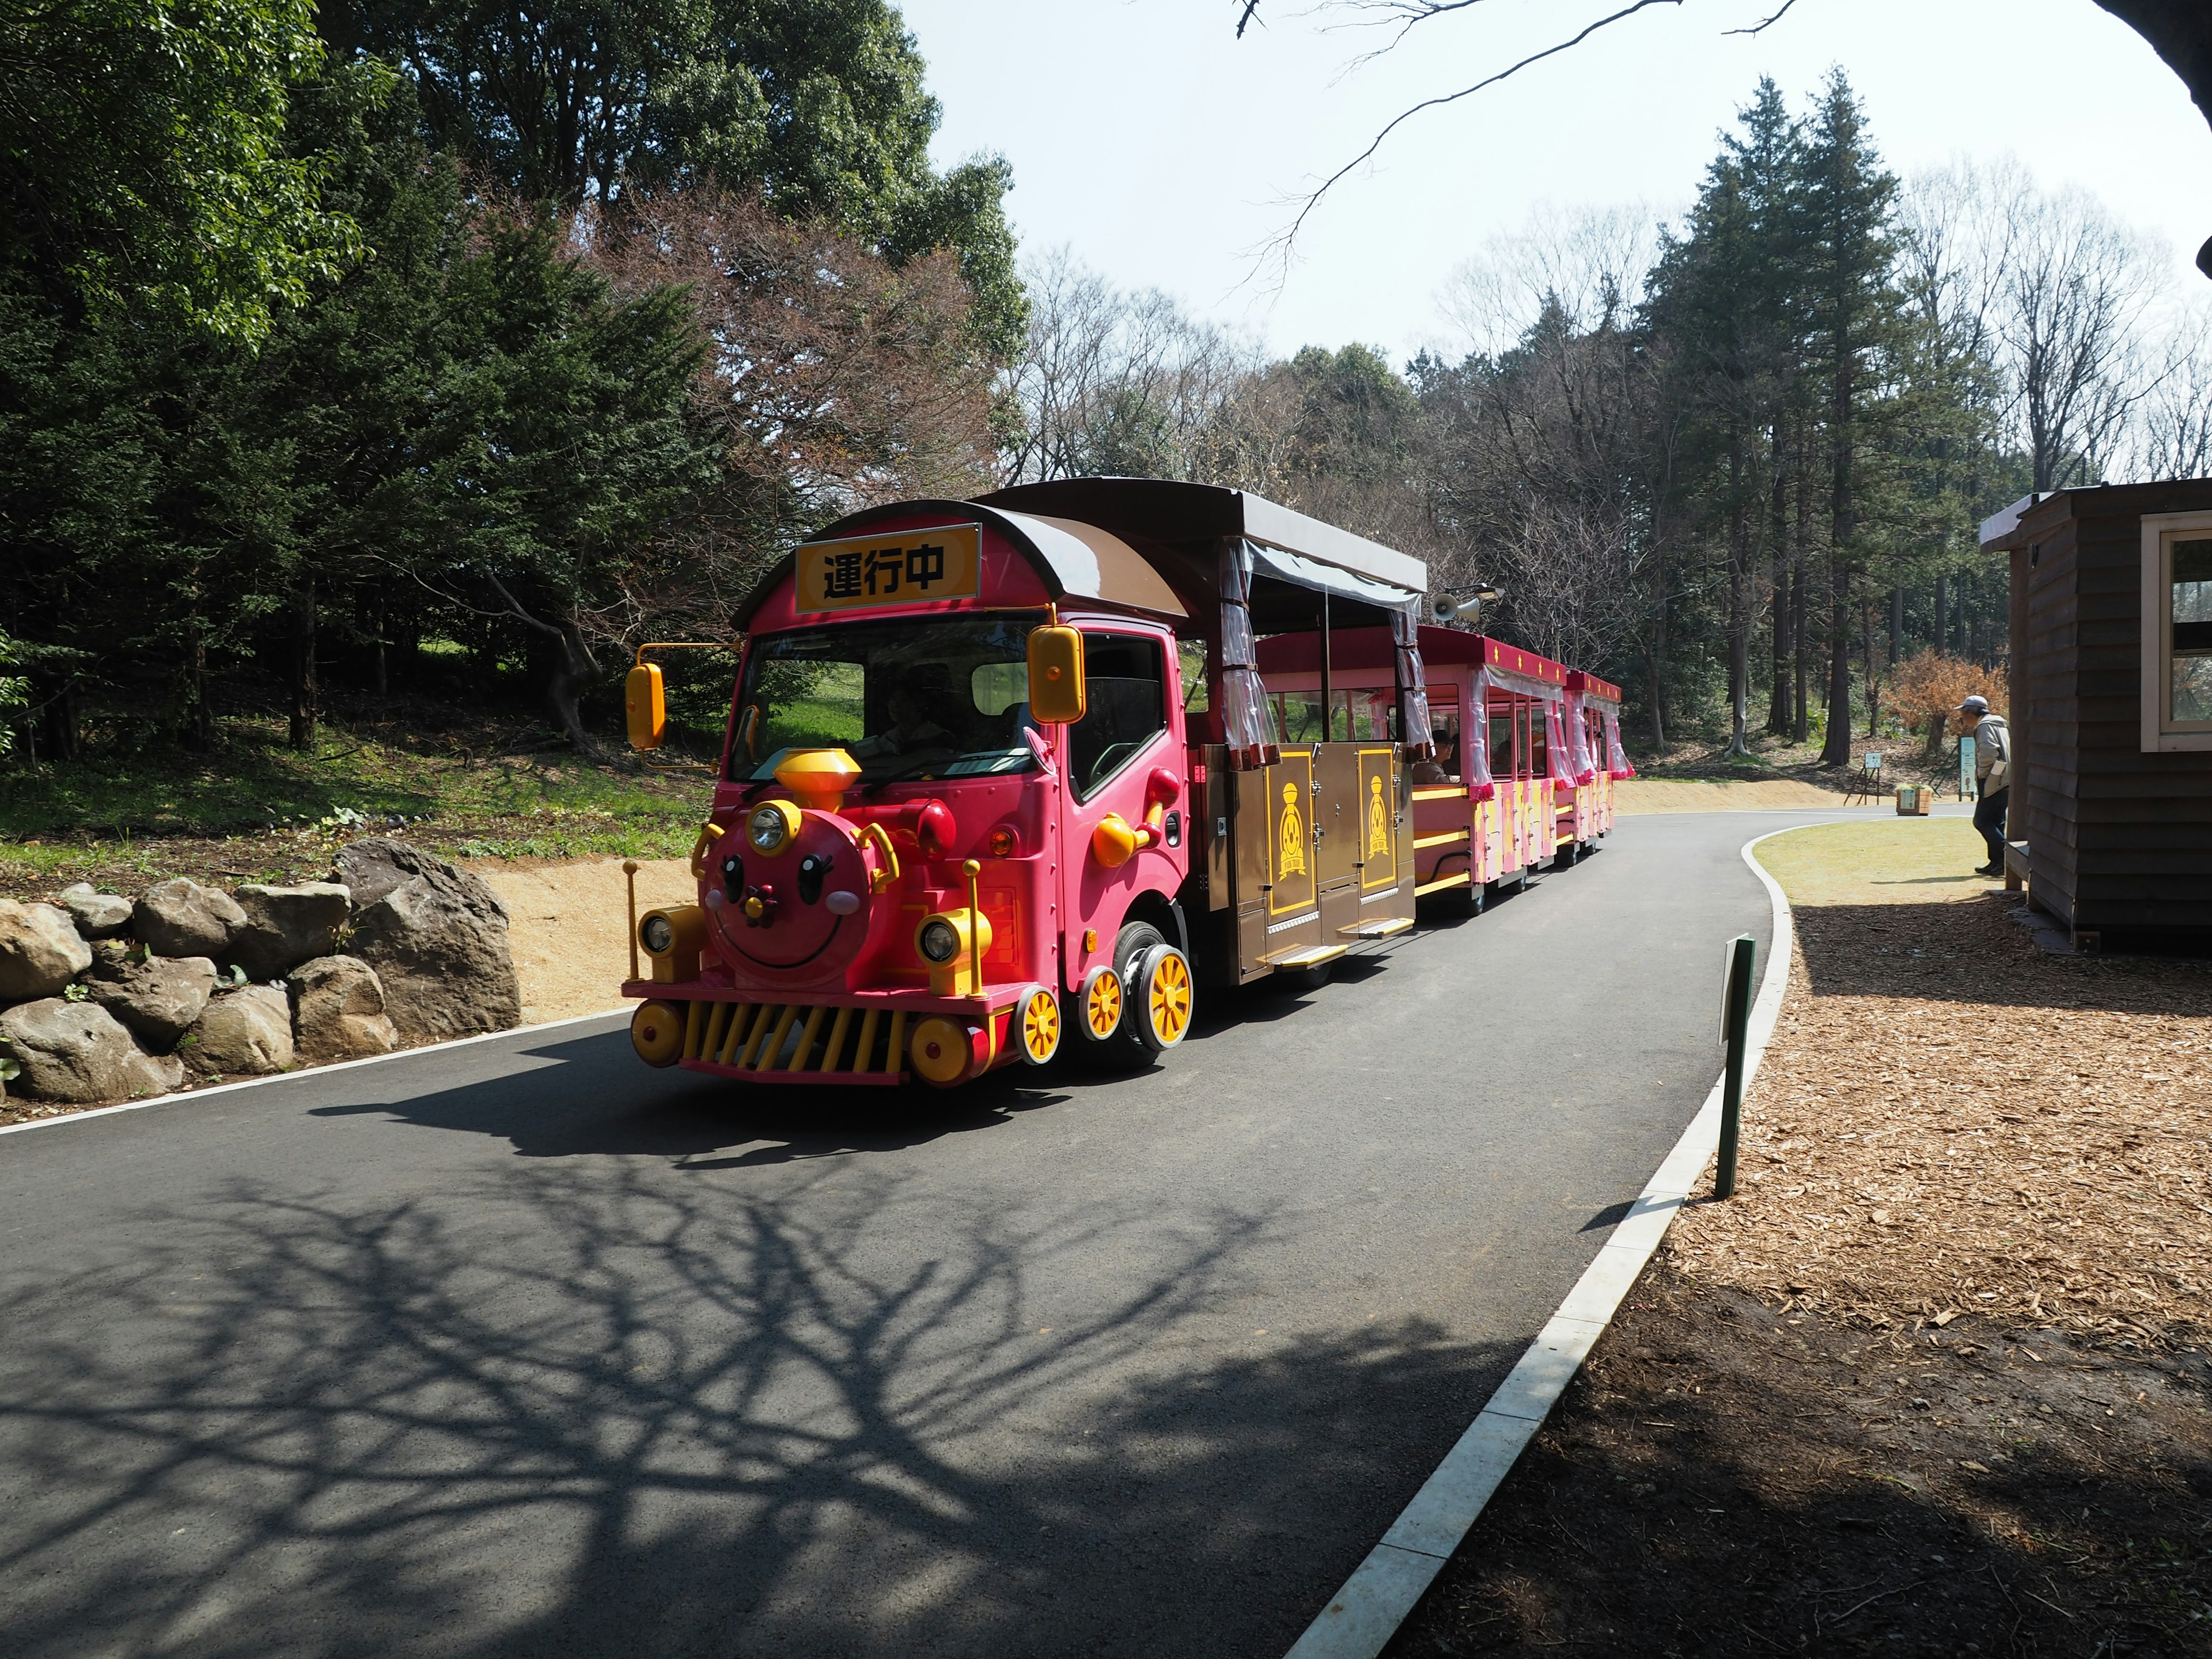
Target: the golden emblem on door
pixel 1292 858
pixel 1378 819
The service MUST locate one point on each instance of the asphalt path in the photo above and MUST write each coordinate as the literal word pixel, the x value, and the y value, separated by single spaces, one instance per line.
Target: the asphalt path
pixel 518 1348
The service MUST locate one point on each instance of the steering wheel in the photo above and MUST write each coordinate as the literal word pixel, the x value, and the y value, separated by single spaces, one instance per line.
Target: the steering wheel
pixel 1108 758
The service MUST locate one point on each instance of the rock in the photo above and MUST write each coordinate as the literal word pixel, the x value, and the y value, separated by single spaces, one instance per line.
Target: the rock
pixel 97 914
pixel 372 867
pixel 288 926
pixel 438 941
pixel 40 951
pixel 243 1034
pixel 337 1011
pixel 159 999
pixel 181 918
pixel 79 1054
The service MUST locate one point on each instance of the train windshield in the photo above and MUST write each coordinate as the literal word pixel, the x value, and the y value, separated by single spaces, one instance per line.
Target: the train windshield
pixel 935 697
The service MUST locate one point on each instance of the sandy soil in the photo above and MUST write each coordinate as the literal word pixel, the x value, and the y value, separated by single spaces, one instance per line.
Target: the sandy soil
pixel 569 926
pixel 1632 795
pixel 1936 1382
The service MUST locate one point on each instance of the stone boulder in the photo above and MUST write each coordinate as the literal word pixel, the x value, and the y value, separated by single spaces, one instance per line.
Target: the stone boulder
pixel 245 1033
pixel 181 918
pixel 97 914
pixel 159 999
pixel 437 937
pixel 77 1053
pixel 337 1011
pixel 40 951
pixel 288 926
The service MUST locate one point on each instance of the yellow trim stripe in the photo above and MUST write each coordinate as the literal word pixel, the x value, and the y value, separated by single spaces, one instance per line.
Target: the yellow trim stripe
pixel 1459 880
pixel 1420 841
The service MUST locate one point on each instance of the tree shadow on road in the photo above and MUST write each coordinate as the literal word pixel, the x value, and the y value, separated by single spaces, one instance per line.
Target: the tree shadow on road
pixel 587 1412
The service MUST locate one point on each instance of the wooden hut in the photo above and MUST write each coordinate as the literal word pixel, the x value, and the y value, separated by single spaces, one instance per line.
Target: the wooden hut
pixel 2111 680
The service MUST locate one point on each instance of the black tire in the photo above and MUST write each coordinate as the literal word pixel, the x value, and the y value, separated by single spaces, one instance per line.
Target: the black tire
pixel 1125 1051
pixel 1460 900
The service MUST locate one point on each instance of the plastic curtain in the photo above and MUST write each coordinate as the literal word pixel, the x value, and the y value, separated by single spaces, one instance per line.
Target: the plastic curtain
pixel 1557 755
pixel 1248 716
pixel 1616 758
pixel 1474 739
pixel 1413 685
pixel 1581 766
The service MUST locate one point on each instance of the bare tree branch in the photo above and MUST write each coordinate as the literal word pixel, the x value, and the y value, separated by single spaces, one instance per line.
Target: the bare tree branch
pixel 1761 28
pixel 1280 248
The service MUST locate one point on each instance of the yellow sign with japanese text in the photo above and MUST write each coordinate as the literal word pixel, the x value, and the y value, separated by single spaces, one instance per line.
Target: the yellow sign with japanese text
pixel 915 567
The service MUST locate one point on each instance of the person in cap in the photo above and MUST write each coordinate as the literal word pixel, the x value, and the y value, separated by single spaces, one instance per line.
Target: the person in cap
pixel 1992 778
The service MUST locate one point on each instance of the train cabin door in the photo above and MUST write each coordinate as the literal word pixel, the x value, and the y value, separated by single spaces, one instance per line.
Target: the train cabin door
pixel 1276 854
pixel 1504 764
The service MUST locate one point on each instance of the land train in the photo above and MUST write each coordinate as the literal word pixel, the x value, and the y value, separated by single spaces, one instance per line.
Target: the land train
pixel 1009 775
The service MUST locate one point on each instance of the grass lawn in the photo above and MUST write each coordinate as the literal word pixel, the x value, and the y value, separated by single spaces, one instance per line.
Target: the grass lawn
pixel 1890 861
pixel 256 809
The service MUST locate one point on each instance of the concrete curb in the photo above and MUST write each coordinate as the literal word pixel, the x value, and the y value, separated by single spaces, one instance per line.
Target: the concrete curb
pixel 1363 1616
pixel 179 1097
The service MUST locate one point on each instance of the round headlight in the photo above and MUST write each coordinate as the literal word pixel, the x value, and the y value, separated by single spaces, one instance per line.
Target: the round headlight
pixel 768 828
pixel 939 939
pixel 656 934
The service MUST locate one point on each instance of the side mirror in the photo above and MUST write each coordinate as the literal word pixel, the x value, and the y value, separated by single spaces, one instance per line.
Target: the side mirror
pixel 645 700
pixel 1056 693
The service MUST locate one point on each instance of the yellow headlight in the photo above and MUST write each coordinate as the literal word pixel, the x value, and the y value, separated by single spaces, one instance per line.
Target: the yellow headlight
pixel 770 826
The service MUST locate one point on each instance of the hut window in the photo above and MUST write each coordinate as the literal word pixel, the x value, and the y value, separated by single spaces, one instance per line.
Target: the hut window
pixel 2188 615
pixel 2177 631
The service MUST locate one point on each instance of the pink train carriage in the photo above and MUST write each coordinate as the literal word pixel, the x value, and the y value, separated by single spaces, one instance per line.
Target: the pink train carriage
pixel 1525 782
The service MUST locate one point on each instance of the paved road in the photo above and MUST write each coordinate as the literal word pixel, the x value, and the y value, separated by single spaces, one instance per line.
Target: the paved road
pixel 520 1349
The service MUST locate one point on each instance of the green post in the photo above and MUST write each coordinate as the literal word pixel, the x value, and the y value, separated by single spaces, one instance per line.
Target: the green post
pixel 1735 1030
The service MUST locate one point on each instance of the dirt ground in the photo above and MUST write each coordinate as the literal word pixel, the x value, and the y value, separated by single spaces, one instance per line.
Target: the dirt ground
pixel 569 930
pixel 1937 1380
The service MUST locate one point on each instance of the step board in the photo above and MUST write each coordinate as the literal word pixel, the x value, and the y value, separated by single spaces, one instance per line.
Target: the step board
pixel 1312 957
pixel 1375 929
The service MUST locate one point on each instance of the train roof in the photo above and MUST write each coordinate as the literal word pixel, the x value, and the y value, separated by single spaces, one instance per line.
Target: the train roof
pixel 1590 686
pixel 1370 647
pixel 1152 545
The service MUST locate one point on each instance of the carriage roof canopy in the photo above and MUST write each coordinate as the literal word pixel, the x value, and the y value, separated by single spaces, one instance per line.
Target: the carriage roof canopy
pixel 1180 525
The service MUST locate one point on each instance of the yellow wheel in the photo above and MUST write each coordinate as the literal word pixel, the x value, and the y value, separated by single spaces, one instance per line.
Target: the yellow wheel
pixel 1036 1025
pixel 656 1031
pixel 1101 998
pixel 939 1050
pixel 1165 977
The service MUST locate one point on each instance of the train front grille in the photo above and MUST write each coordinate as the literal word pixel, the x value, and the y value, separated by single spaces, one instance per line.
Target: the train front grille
pixel 767 1037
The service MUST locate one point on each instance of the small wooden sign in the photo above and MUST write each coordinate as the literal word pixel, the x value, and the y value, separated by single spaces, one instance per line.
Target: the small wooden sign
pixel 915 567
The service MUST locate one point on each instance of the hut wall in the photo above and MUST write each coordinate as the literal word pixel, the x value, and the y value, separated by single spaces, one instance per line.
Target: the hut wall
pixel 2119 841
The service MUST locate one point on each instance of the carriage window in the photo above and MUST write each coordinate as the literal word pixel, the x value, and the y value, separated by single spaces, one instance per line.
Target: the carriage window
pixel 1540 738
pixel 1191 661
pixel 1505 758
pixel 1125 680
pixel 1443 727
pixel 1298 716
pixel 1361 716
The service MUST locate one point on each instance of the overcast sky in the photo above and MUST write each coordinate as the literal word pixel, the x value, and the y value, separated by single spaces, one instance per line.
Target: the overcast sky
pixel 1143 135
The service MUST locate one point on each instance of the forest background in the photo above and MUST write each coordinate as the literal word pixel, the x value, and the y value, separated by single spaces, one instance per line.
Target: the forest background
pixel 413 351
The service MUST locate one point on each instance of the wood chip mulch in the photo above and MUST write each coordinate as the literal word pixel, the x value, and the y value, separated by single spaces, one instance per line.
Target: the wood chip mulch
pixel 1937 1381
pixel 1953 1125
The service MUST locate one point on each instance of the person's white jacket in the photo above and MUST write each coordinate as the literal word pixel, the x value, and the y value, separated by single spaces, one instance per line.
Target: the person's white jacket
pixel 1992 754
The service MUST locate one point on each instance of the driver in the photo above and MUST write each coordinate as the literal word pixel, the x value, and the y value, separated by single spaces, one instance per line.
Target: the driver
pixel 922 687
